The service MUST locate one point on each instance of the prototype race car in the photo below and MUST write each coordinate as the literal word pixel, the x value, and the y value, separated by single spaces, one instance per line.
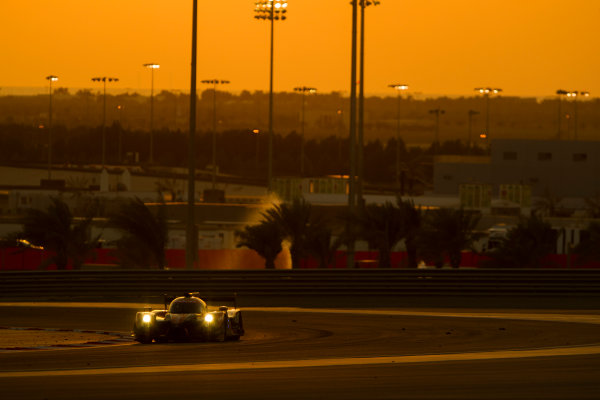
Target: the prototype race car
pixel 188 319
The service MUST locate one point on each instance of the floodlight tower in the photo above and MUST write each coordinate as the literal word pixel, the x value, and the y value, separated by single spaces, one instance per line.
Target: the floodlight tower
pixel 50 78
pixel 574 95
pixel 191 240
pixel 152 67
pixel 214 82
pixel 487 92
pixel 104 79
pixel 399 88
pixel 361 100
pixel 470 116
pixel 303 90
pixel 271 10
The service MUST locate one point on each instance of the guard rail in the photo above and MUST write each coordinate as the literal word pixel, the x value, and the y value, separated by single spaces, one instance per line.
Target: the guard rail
pixel 130 284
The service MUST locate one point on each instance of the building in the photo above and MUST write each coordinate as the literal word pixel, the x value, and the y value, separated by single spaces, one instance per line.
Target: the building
pixel 565 169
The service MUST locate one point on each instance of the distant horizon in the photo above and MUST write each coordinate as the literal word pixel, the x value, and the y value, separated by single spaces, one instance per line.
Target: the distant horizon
pixel 40 90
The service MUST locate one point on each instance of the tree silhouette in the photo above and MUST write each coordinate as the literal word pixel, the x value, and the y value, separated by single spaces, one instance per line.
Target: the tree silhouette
pixel 446 233
pixel 294 220
pixel 381 226
pixel 588 248
pixel 524 246
pixel 321 243
pixel 144 235
pixel 56 230
pixel 412 228
pixel 265 238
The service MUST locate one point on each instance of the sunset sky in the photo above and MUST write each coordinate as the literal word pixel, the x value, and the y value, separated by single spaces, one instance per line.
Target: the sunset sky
pixel 438 47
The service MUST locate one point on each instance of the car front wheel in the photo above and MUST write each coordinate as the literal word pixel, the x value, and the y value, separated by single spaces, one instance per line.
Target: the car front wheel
pixel 144 339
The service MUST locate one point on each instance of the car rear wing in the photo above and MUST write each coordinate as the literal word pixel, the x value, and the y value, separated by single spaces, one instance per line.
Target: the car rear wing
pixel 227 300
pixel 208 298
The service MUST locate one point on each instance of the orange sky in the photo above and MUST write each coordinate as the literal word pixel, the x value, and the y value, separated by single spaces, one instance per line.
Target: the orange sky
pixel 526 47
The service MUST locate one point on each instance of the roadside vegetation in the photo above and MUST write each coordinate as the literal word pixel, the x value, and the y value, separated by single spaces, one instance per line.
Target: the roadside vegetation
pixel 525 246
pixel 144 235
pixel 446 233
pixel 69 240
pixel 55 229
pixel 435 237
pixel 264 238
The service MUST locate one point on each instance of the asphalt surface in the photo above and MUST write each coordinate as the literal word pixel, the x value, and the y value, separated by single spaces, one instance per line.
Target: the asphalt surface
pixel 296 354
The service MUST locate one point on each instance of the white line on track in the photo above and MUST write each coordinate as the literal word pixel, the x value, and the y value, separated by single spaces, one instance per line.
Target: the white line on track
pixel 63 304
pixel 326 362
pixel 582 318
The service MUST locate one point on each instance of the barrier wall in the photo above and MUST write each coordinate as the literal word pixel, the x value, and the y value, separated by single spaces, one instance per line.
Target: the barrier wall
pixel 15 259
pixel 578 287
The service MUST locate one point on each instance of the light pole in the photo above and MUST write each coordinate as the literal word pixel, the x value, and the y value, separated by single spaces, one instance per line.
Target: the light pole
pixel 487 91
pixel 437 112
pixel 152 67
pixel 190 232
pixel 559 93
pixel 120 149
pixel 50 78
pixel 399 88
pixel 352 133
pixel 214 82
pixel 104 79
pixel 271 10
pixel 584 94
pixel 574 95
pixel 303 90
pixel 361 100
pixel 256 132
pixel 470 114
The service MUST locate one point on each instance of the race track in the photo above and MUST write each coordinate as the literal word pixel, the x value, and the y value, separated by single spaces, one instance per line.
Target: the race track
pixel 329 354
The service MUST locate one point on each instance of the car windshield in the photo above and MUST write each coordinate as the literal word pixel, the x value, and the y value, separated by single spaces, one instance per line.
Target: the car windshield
pixel 187 306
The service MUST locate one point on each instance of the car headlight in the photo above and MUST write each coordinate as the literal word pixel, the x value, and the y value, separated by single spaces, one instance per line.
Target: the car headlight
pixel 208 318
pixel 147 318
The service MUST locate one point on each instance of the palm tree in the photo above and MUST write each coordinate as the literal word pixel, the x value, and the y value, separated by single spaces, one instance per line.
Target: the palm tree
pixel 447 233
pixel 294 220
pixel 381 226
pixel 525 245
pixel 588 248
pixel 56 230
pixel 430 242
pixel 412 226
pixel 321 244
pixel 144 235
pixel 264 238
pixel 168 186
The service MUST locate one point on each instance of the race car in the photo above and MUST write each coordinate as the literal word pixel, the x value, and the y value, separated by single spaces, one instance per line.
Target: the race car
pixel 188 318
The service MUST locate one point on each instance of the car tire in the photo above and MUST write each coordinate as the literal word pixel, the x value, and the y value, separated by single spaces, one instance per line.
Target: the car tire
pixel 144 339
pixel 222 336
